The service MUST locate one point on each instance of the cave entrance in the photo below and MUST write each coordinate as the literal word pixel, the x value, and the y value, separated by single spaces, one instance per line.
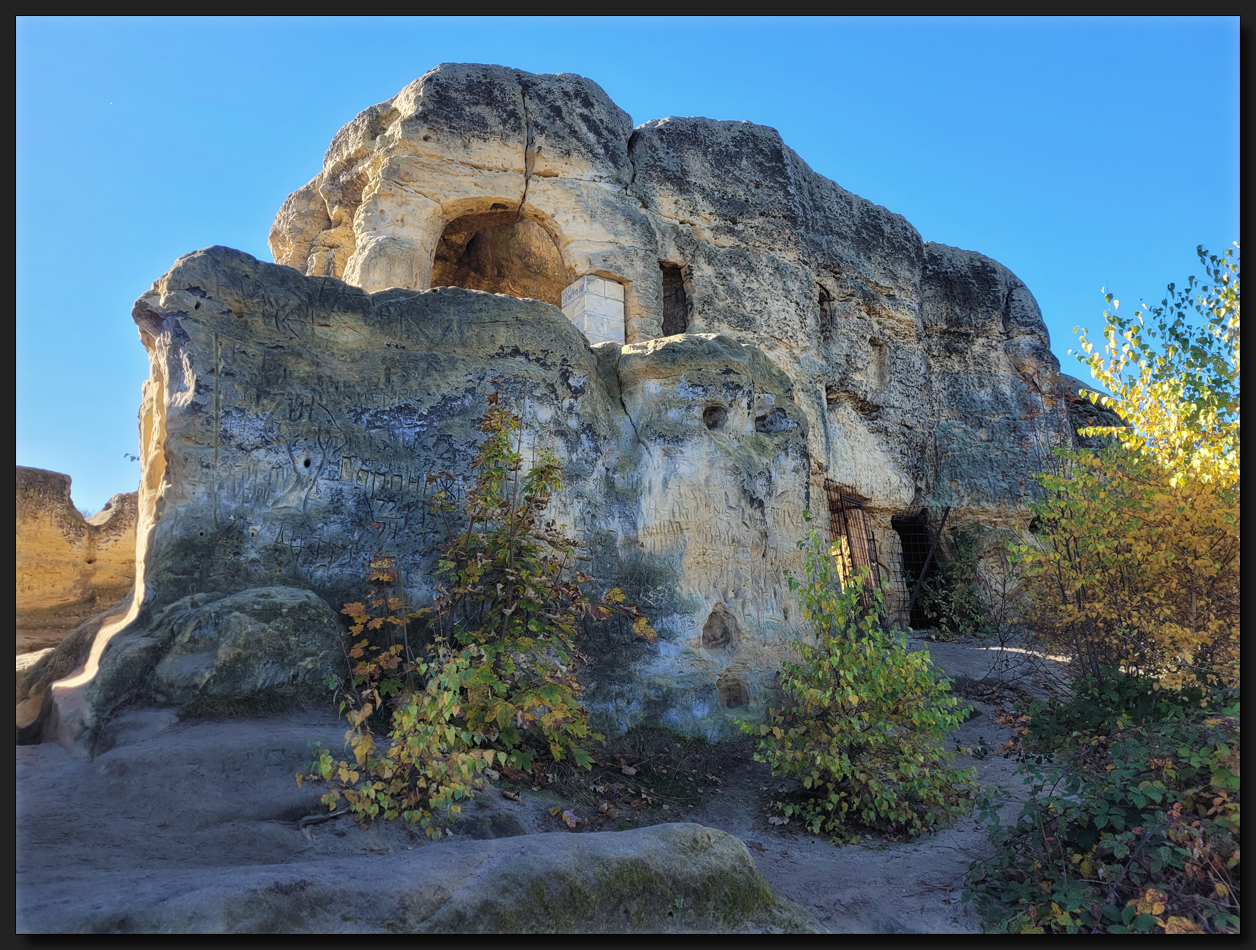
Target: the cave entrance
pixel 501 253
pixel 920 562
pixel 851 534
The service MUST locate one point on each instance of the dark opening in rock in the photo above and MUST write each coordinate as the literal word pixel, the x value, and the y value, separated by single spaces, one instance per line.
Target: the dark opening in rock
pixel 733 691
pixel 774 420
pixel 501 253
pixel 676 306
pixel 825 300
pixel 713 417
pixel 720 630
pixel 915 538
pixel 878 364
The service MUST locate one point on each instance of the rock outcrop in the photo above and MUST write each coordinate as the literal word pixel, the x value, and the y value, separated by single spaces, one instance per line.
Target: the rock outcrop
pixel 787 346
pixel 923 371
pixel 679 878
pixel 290 425
pixel 68 567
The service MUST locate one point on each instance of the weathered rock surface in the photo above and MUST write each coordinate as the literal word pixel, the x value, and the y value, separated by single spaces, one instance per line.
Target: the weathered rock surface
pixel 68 567
pixel 196 827
pixel 679 878
pixel 290 425
pixel 783 337
pixel 206 649
pixel 923 371
pixel 203 651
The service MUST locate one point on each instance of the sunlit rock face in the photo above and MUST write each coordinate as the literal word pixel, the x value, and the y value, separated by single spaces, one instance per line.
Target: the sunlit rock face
pixel 68 566
pixel 759 342
pixel 923 372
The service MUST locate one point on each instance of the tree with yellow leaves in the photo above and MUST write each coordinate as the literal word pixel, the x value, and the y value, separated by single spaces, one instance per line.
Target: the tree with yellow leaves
pixel 1137 565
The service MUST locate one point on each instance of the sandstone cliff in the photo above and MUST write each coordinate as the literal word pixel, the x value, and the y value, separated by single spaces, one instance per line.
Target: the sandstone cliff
pixel 923 371
pixel 68 567
pixel 772 344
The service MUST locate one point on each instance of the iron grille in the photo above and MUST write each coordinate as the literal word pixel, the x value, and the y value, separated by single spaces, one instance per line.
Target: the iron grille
pixel 852 537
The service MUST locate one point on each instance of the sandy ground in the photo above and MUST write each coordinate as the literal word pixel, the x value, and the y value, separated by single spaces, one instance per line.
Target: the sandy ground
pixel 172 796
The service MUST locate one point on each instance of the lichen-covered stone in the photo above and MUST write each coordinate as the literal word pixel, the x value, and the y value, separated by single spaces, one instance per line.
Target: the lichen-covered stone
pixel 207 650
pixel 676 878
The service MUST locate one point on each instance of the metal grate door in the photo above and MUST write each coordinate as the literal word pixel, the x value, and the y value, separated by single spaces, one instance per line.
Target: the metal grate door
pixel 852 536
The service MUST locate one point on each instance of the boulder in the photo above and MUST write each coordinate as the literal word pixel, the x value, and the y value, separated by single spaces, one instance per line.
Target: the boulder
pixel 209 650
pixel 203 652
pixel 678 878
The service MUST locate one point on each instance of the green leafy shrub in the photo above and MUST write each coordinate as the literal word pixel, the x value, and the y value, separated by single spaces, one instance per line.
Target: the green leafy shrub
pixel 1137 831
pixel 1102 705
pixel 863 725
pixel 1137 564
pixel 496 679
pixel 1133 823
pixel 953 597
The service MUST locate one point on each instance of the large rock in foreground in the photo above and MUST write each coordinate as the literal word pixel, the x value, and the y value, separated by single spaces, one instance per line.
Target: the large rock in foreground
pixel 198 826
pixel 679 878
pixel 295 428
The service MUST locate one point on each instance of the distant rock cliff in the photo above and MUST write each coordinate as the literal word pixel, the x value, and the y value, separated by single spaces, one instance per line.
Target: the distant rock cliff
pixel 68 567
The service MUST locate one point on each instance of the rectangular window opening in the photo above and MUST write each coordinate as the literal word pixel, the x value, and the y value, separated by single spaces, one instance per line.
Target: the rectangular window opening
pixel 825 299
pixel 676 304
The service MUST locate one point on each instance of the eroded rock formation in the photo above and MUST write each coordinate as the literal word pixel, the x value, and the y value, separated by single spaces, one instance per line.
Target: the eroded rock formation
pixel 787 346
pixel 923 371
pixel 290 425
pixel 68 567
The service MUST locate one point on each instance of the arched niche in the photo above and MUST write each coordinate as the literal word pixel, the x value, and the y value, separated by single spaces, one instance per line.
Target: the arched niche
pixel 500 252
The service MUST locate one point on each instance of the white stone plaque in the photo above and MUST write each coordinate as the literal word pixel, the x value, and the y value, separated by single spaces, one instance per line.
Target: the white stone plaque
pixel 596 306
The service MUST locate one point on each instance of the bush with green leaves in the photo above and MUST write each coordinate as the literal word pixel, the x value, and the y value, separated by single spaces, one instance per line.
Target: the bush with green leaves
pixel 1132 828
pixel 1134 574
pixel 497 677
pixel 953 597
pixel 864 720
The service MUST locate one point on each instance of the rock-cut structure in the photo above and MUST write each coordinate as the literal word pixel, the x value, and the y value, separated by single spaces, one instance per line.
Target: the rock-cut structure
pixel 714 339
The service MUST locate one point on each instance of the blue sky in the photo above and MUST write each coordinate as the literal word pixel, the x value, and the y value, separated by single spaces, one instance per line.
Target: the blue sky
pixel 1080 153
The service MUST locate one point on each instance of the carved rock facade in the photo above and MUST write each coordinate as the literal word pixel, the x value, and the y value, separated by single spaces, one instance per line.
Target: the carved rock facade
pixel 784 343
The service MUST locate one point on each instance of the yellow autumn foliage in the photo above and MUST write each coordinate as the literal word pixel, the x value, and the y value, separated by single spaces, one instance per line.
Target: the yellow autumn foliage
pixel 1136 565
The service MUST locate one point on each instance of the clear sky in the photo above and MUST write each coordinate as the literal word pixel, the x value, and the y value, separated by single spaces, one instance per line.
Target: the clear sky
pixel 1080 153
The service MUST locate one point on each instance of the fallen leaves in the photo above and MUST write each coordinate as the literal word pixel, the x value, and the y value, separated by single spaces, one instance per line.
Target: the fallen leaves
pixel 514 774
pixel 571 818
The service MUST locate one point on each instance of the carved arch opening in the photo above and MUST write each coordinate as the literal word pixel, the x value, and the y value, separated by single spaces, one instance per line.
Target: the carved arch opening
pixel 499 251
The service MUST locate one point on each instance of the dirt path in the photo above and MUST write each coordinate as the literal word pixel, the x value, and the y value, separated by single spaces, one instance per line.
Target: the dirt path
pixel 182 795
